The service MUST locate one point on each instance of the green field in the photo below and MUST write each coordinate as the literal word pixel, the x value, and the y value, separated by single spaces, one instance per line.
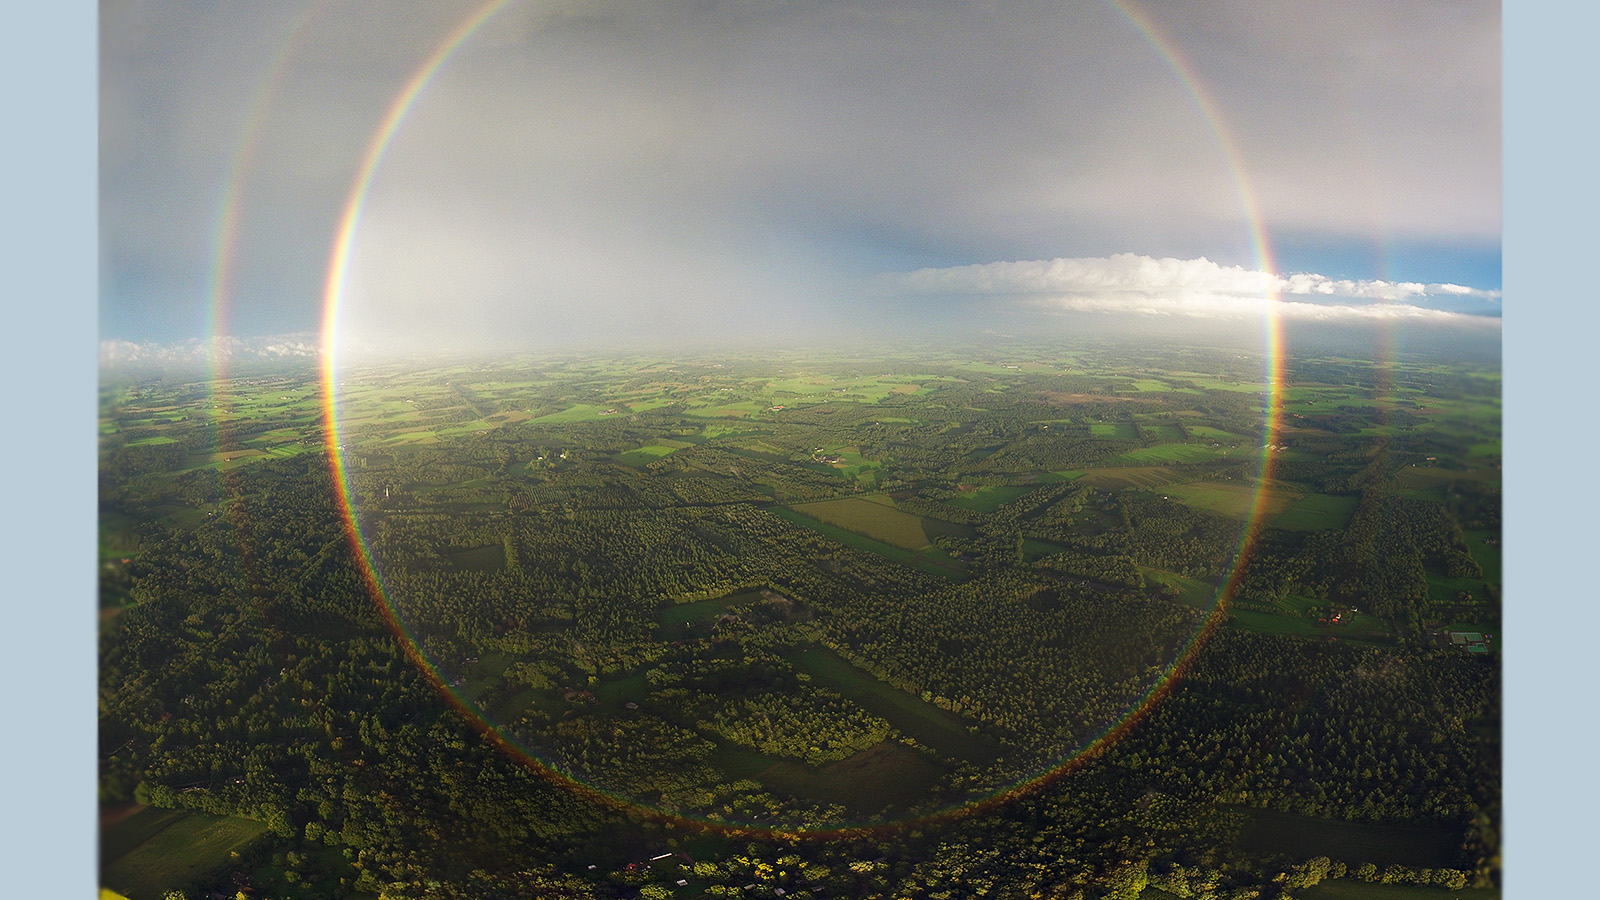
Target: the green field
pixel 582 412
pixel 1315 512
pixel 1212 383
pixel 874 520
pixel 1122 431
pixel 1165 433
pixel 736 409
pixel 713 430
pixel 1191 591
pixel 1297 604
pixel 1229 499
pixel 647 402
pixel 158 850
pixel 679 620
pixel 465 428
pixel 118 537
pixel 1357 626
pixel 1214 434
pixel 1487 555
pixel 1118 477
pixel 1153 384
pixel 823 388
pixel 929 561
pixel 645 455
pixel 1035 549
pixel 1271 623
pixel 851 464
pixel 1179 453
pixel 1363 626
pixel 1442 590
pixel 989 498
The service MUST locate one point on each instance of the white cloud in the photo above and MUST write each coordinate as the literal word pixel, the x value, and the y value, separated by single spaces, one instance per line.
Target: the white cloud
pixel 1132 283
pixel 1457 290
pixel 120 353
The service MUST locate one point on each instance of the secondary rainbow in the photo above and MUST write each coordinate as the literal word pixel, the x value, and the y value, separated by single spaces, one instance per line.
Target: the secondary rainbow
pixel 224 253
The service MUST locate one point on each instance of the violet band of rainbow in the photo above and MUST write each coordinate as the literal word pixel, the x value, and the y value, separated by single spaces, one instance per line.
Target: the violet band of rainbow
pixel 333 295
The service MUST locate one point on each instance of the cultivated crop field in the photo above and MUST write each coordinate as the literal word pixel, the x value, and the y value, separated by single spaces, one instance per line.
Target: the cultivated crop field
pixel 927 560
pixel 1233 500
pixel 1133 477
pixel 876 520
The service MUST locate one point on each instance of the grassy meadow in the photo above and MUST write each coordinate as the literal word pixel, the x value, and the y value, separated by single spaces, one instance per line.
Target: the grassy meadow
pixel 158 850
pixel 874 520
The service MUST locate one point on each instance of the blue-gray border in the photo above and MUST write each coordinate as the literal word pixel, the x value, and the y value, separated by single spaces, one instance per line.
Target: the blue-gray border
pixel 48 73
pixel 1552 613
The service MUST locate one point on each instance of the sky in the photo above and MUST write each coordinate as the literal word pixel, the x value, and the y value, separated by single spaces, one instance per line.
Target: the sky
pixel 578 173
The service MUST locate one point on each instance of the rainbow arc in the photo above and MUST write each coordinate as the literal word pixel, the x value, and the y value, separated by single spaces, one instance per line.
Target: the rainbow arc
pixel 334 296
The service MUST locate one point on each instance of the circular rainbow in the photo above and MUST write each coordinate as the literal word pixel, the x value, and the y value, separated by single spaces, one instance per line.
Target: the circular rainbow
pixel 333 296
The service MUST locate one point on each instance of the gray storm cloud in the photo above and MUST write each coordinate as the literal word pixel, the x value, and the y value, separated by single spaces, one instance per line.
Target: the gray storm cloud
pixel 603 168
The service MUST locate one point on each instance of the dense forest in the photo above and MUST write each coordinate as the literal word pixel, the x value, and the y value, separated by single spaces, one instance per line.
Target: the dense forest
pixel 1031 623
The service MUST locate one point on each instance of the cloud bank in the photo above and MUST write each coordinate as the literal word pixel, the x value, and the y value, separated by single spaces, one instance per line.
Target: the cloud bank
pixel 117 354
pixel 1200 288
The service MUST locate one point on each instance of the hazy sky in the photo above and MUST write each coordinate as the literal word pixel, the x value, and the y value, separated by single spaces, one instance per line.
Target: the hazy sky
pixel 581 171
